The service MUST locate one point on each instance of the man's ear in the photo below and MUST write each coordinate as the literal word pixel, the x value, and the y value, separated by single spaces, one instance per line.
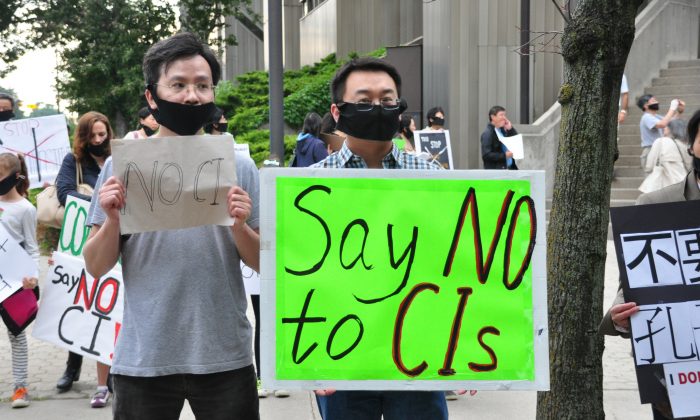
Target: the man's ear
pixel 149 99
pixel 335 112
pixel 690 151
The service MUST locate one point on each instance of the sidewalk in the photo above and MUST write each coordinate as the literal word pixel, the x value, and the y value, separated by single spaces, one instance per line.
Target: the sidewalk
pixel 46 364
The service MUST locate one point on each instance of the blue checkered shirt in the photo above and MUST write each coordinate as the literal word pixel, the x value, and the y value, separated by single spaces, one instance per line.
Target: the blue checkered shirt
pixel 396 159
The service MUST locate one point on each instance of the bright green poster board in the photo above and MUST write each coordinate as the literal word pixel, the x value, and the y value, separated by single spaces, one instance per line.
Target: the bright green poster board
pixel 380 279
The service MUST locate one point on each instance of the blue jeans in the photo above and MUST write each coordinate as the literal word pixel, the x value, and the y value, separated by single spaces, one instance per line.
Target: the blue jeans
pixel 393 405
pixel 215 396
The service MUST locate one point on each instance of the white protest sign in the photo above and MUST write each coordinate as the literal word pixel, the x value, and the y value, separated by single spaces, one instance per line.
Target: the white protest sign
pixel 663 334
pixel 515 145
pixel 251 280
pixel 15 264
pixel 44 142
pixel 174 183
pixel 242 148
pixel 683 386
pixel 78 312
pixel 651 259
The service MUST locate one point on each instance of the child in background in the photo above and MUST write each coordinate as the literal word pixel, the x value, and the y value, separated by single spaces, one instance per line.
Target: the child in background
pixel 18 216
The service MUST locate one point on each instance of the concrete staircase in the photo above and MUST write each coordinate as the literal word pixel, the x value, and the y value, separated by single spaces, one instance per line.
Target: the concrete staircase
pixel 680 80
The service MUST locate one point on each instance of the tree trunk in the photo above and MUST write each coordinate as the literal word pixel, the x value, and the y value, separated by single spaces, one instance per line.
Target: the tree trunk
pixel 119 125
pixel 595 45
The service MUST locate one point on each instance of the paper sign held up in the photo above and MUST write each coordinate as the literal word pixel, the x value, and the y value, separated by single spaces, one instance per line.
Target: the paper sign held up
pixel 43 141
pixel 15 264
pixel 78 312
pixel 174 183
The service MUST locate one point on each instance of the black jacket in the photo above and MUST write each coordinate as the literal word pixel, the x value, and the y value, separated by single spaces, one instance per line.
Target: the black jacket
pixel 492 151
pixel 66 183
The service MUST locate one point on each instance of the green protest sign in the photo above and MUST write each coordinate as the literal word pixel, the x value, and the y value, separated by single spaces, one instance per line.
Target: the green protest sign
pixel 431 278
pixel 74 233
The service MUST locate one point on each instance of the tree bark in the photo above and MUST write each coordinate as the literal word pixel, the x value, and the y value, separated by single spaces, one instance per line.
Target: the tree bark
pixel 595 45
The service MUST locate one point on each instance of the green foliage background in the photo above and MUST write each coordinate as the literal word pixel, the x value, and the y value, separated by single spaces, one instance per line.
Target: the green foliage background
pixel 245 103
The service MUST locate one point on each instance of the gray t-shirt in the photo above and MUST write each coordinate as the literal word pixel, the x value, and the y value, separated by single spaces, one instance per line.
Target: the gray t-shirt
pixel 648 129
pixel 184 301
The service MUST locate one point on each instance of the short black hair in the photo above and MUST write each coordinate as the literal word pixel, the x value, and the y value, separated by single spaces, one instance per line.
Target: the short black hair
pixel 166 51
pixel 431 114
pixel 643 101
pixel 214 123
pixel 361 64
pixel 312 124
pixel 495 110
pixel 328 123
pixel 9 97
pixel 144 112
pixel 693 128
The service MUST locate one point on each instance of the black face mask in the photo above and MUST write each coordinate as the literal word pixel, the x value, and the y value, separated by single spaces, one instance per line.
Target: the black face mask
pixel 148 130
pixel 653 107
pixel 438 121
pixel 185 120
pixel 6 115
pixel 7 184
pixel 98 150
pixel 376 124
pixel 221 127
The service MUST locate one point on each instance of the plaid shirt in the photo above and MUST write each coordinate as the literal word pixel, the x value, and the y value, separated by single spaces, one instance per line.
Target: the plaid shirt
pixel 396 159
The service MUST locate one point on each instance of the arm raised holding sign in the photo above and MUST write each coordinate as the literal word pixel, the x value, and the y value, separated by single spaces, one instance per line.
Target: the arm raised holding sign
pixel 102 247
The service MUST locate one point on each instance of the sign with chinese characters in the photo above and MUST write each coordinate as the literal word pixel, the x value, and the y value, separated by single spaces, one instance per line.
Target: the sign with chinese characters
pixel 658 252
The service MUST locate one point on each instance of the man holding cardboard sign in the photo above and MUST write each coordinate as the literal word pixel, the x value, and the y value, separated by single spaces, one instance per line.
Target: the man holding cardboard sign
pixel 185 333
pixel 366 104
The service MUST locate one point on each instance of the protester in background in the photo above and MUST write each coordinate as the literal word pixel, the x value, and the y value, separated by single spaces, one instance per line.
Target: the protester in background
pixel 7 107
pixel 365 103
pixel 407 126
pixel 91 147
pixel 218 124
pixel 148 125
pixel 18 217
pixel 309 148
pixel 668 161
pixel 651 125
pixel 195 342
pixel 617 319
pixel 436 119
pixel 494 153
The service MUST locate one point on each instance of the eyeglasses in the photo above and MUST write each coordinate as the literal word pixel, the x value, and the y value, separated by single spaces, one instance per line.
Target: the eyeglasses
pixel 179 87
pixel 388 104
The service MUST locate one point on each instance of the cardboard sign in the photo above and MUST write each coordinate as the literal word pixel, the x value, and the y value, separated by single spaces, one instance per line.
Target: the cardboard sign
pixel 658 252
pixel 44 142
pixel 78 312
pixel 390 279
pixel 174 183
pixel 436 144
pixel 15 264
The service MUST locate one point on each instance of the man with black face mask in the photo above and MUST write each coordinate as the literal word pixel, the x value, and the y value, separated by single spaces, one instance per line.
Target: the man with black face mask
pixel 366 104
pixel 617 320
pixel 651 126
pixel 185 334
pixel 7 106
